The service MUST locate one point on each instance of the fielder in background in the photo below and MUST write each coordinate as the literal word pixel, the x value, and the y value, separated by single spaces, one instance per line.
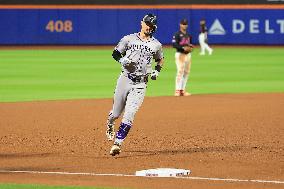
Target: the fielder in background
pixel 203 39
pixel 182 43
pixel 135 53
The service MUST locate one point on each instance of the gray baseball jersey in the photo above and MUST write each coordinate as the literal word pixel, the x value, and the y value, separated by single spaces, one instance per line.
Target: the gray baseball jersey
pixel 141 52
pixel 131 87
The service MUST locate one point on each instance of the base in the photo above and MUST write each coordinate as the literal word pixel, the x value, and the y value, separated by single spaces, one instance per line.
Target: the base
pixel 163 172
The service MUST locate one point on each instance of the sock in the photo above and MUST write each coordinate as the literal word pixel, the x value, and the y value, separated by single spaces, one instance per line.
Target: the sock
pixel 122 133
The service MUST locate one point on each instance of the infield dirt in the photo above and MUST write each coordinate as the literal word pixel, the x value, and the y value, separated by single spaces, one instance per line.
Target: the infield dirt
pixel 218 136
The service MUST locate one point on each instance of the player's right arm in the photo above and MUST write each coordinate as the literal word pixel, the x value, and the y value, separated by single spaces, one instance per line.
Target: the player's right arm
pixel 119 51
pixel 119 55
pixel 116 55
pixel 175 42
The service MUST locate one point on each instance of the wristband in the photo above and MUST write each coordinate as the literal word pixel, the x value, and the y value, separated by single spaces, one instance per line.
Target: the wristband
pixel 158 68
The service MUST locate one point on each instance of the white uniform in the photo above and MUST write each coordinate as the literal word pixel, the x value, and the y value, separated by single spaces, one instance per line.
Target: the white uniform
pixel 203 40
pixel 131 87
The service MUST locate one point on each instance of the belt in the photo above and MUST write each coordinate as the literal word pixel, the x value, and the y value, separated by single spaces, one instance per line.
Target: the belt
pixel 138 79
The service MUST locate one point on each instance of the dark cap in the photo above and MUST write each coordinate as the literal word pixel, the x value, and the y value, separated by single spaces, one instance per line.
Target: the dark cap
pixel 184 21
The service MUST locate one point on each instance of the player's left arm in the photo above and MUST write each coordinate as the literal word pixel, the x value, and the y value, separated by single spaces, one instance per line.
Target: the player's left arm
pixel 159 58
pixel 189 47
pixel 158 67
pixel 206 37
pixel 160 63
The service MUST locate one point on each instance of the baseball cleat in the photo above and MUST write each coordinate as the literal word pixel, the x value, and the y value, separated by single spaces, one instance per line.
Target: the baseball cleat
pixel 115 150
pixel 178 93
pixel 184 93
pixel 110 132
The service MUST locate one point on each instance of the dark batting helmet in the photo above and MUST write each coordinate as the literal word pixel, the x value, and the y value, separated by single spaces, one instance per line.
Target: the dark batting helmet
pixel 151 20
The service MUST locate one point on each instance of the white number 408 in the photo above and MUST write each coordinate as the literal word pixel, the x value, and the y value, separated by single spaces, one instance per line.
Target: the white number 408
pixel 59 26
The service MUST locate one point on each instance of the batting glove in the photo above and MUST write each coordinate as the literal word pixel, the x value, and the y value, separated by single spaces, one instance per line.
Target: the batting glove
pixel 154 74
pixel 124 61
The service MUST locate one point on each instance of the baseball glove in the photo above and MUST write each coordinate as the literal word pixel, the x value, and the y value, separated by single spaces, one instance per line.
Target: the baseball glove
pixel 188 49
pixel 131 67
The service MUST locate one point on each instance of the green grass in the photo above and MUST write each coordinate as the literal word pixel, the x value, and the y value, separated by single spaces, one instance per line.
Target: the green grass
pixel 33 186
pixel 28 75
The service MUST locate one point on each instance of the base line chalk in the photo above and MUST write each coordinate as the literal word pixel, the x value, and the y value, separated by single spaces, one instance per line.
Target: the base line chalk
pixel 126 175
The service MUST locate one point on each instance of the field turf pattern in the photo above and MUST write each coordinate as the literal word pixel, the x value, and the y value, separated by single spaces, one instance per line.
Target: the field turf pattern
pixel 55 74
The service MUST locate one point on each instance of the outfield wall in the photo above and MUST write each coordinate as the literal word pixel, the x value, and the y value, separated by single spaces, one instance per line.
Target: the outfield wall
pixel 93 25
pixel 135 2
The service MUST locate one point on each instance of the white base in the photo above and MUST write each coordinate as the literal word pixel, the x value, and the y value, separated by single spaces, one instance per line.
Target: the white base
pixel 163 172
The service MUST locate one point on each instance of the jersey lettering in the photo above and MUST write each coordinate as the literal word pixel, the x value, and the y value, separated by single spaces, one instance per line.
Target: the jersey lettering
pixel 184 41
pixel 141 47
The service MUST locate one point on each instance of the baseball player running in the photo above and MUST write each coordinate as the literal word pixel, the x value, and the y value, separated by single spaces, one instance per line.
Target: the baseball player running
pixel 135 53
pixel 182 43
